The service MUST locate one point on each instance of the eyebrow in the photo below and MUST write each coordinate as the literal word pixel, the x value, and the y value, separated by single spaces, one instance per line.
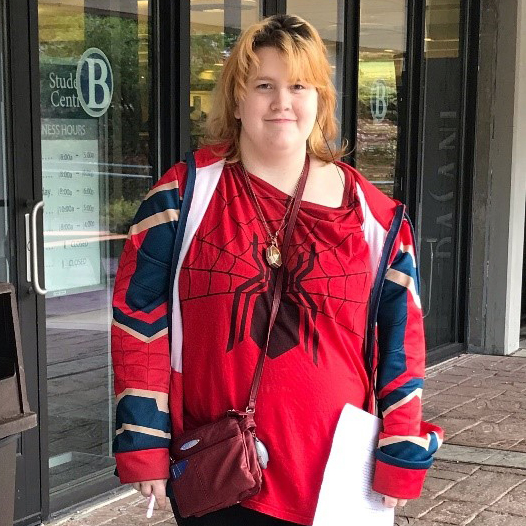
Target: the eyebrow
pixel 259 79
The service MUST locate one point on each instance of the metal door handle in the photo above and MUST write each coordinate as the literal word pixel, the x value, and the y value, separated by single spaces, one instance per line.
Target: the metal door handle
pixel 34 252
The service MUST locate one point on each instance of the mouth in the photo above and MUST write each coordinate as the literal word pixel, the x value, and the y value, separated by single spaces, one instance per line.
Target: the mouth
pixel 280 121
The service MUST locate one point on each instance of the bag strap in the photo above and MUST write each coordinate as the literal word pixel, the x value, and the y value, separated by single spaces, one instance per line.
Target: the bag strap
pixel 277 288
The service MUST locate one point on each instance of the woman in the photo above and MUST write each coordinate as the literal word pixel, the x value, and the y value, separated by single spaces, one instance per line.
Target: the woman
pixel 272 118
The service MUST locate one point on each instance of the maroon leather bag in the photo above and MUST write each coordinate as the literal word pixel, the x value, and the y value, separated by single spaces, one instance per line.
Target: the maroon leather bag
pixel 220 470
pixel 216 465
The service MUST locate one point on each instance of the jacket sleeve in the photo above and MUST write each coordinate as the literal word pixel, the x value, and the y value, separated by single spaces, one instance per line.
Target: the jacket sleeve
pixel 139 338
pixel 406 443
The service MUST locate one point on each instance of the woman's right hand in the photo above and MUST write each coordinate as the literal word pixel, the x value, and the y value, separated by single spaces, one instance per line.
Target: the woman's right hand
pixel 157 487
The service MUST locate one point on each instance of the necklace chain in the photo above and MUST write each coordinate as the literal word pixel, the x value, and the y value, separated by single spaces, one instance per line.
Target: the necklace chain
pixel 273 254
pixel 272 237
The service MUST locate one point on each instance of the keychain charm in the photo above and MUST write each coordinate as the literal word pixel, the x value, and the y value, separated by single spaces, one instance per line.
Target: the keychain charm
pixel 262 453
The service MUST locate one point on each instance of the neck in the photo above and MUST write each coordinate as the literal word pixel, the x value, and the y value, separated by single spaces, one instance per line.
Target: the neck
pixel 279 169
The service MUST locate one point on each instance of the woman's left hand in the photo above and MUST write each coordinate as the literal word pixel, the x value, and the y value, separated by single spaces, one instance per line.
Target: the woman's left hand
pixel 391 502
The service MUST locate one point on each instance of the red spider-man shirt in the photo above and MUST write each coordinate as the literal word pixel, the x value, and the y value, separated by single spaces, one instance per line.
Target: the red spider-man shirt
pixel 315 359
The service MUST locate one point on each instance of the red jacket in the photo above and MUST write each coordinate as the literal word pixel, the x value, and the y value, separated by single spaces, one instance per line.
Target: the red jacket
pixel 147 337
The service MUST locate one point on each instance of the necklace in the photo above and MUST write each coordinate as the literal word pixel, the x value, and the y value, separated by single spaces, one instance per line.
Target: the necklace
pixel 272 252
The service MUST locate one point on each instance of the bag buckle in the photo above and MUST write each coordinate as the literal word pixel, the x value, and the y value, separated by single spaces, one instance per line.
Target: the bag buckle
pixel 240 414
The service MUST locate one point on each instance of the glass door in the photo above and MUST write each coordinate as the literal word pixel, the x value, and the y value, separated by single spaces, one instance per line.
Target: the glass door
pixel 440 171
pixel 328 18
pixel 215 26
pixel 96 145
pixel 382 50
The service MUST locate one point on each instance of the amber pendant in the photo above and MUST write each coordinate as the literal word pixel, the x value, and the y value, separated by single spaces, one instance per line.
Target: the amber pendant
pixel 273 256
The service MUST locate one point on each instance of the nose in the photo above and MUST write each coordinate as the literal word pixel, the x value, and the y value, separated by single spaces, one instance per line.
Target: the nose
pixel 281 100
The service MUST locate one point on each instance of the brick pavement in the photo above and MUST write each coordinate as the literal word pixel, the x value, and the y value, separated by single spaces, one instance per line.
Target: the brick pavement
pixel 479 477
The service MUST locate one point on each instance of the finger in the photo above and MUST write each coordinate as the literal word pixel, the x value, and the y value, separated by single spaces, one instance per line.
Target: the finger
pixel 159 490
pixel 389 502
pixel 146 489
pixel 136 486
pixel 402 502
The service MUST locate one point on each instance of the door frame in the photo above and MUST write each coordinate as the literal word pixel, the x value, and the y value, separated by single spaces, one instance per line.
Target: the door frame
pixel 24 176
pixel 413 173
pixel 23 136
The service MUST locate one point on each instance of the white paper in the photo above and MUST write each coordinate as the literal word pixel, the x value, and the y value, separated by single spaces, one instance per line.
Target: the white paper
pixel 346 496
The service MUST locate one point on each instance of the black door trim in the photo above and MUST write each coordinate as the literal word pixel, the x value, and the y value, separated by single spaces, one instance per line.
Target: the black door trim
pixel 274 7
pixel 172 20
pixel 24 170
pixel 351 50
pixel 469 31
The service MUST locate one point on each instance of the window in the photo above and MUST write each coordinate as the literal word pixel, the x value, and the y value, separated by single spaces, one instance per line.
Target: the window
pixel 380 89
pixel 214 29
pixel 440 173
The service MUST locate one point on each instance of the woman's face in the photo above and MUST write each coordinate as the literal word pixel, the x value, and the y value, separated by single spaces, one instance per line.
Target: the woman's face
pixel 277 114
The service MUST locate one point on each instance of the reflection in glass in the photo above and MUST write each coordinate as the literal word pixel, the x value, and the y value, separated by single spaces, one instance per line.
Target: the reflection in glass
pixel 440 168
pixel 214 27
pixel 95 108
pixel 380 89
pixel 327 18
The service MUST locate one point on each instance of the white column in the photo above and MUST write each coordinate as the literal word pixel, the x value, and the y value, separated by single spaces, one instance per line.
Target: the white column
pixel 518 184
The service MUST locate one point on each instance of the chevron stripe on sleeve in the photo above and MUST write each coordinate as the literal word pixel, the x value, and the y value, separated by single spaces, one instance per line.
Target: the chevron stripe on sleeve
pixel 407 444
pixel 139 336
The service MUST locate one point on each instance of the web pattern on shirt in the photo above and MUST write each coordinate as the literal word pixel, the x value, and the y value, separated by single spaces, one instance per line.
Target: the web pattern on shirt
pixel 227 264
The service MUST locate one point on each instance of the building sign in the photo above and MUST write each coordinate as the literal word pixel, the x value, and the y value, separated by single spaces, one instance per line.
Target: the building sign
pixel 94 82
pixel 440 182
pixel 379 100
pixel 58 90
pixel 71 191
pixel 74 95
pixel 76 88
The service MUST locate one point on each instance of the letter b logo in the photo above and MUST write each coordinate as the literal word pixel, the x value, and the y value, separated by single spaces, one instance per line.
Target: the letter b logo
pixel 94 82
pixel 379 101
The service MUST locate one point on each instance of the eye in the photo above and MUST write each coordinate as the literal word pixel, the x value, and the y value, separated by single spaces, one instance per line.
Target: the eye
pixel 264 86
pixel 298 87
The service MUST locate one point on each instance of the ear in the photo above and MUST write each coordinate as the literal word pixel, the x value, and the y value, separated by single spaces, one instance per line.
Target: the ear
pixel 237 115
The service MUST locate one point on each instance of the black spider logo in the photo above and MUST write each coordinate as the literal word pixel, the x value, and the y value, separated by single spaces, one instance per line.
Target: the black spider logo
pixel 294 296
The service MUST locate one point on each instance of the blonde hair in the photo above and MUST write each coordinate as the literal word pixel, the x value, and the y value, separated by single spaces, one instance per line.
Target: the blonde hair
pixel 306 55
